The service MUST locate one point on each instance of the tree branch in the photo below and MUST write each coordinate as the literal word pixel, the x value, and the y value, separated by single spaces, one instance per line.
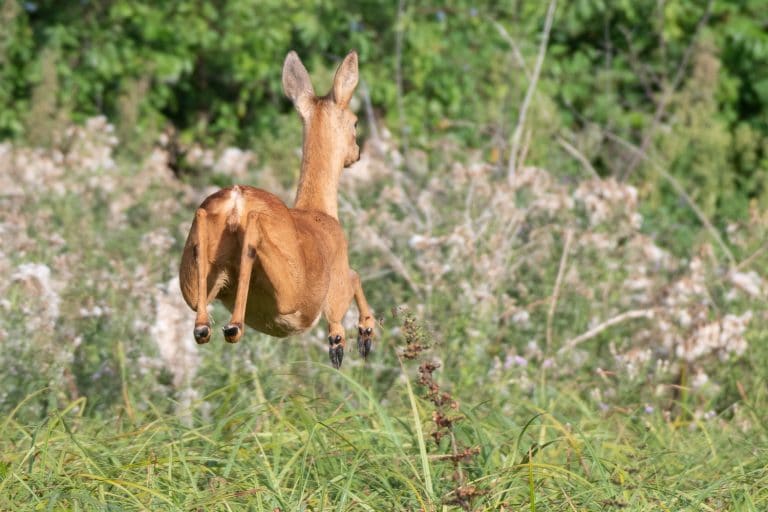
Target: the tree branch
pixel 517 134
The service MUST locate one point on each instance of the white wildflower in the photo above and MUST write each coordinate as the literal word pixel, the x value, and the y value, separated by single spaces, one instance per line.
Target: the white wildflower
pixel 699 379
pixel 172 332
pixel 234 162
pixel 749 282
pixel 522 318
pixel 37 277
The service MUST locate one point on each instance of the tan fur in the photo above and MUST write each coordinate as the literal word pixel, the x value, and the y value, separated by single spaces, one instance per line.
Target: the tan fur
pixel 277 269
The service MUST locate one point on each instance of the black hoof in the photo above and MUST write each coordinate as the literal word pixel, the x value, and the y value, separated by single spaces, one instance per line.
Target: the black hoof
pixel 364 341
pixel 202 334
pixel 335 351
pixel 232 332
pixel 337 356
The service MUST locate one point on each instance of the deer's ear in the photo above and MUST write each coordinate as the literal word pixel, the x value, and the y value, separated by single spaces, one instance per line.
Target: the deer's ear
pixel 345 81
pixel 296 83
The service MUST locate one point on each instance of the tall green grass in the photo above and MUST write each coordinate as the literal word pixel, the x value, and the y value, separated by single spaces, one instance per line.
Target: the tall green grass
pixel 338 443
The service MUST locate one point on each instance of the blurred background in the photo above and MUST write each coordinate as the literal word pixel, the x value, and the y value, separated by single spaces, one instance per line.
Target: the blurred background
pixel 570 197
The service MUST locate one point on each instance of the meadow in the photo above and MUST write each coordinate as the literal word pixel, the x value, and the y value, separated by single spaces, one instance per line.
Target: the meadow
pixel 571 313
pixel 593 369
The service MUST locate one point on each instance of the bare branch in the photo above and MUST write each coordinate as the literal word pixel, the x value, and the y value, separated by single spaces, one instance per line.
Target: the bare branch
pixel 578 155
pixel 556 291
pixel 515 49
pixel 627 315
pixel 372 126
pixel 517 134
pixel 399 29
pixel 751 258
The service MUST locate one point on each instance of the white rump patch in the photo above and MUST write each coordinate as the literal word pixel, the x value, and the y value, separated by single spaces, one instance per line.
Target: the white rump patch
pixel 235 208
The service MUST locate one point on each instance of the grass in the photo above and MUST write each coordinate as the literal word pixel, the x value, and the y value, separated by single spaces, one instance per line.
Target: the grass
pixel 356 448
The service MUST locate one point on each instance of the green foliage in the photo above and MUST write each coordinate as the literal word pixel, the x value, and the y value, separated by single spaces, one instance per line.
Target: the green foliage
pixel 211 69
pixel 17 53
pixel 685 80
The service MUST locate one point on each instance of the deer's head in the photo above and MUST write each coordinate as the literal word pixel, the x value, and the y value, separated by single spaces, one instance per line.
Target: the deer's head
pixel 327 119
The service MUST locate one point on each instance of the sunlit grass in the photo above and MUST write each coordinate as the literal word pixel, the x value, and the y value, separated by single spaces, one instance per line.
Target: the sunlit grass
pixel 355 449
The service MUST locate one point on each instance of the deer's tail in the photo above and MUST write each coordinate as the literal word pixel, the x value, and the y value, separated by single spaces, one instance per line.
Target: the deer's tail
pixel 236 206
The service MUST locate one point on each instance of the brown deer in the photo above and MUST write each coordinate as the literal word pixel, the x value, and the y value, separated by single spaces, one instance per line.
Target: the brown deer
pixel 278 268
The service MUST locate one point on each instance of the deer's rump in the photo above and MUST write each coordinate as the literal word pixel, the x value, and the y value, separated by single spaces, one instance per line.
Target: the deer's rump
pixel 227 213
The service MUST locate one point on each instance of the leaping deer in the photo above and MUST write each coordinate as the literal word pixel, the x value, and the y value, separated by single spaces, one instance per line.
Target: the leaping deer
pixel 278 268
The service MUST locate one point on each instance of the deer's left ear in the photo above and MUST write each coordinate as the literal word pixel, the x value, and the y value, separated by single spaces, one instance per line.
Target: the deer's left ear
pixel 345 81
pixel 296 83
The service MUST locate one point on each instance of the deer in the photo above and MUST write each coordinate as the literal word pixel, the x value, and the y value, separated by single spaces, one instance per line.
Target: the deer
pixel 278 269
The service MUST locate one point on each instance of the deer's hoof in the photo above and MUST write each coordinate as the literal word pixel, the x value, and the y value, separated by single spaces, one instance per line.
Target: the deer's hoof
pixel 364 340
pixel 336 350
pixel 202 334
pixel 233 332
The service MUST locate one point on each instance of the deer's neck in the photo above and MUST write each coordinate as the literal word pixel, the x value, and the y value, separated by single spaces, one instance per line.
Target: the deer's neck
pixel 321 167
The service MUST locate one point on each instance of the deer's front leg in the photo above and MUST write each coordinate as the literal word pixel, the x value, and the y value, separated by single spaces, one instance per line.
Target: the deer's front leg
pixel 337 303
pixel 339 298
pixel 366 322
pixel 336 343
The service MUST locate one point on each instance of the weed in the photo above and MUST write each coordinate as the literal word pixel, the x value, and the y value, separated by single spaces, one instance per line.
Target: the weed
pixel 445 412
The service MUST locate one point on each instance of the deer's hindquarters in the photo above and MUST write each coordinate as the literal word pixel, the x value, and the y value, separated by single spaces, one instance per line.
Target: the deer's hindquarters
pixel 200 277
pixel 208 261
pixel 245 249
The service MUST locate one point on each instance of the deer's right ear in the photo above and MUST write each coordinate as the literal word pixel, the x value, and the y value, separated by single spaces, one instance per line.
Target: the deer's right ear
pixel 296 83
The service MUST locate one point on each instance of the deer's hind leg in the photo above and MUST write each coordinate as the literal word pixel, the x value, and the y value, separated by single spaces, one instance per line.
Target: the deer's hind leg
pixel 196 273
pixel 281 262
pixel 202 329
pixel 251 238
